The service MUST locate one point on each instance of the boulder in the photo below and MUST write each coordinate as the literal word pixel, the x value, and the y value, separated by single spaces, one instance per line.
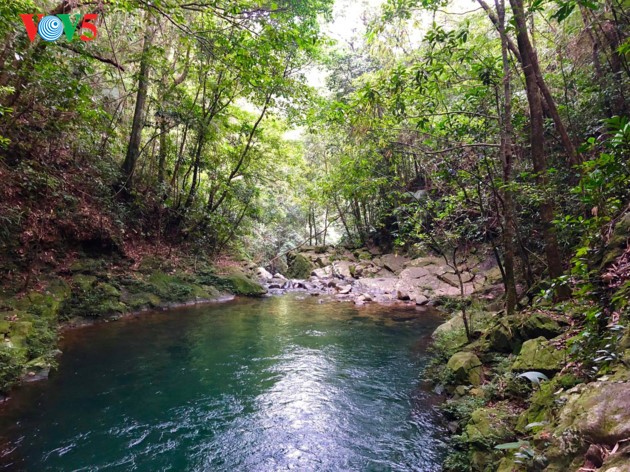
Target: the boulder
pixel 394 262
pixel 300 267
pixel 344 289
pixel 421 300
pixel 402 295
pixel 279 276
pixel 538 355
pixel 323 272
pixel 539 325
pixel 501 337
pixel 466 368
pixel 380 285
pixel 263 274
pixel 599 412
pixel 490 425
pixel 343 269
pixel 240 284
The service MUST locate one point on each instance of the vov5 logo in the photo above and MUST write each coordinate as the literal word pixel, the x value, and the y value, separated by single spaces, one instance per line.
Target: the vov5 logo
pixel 51 27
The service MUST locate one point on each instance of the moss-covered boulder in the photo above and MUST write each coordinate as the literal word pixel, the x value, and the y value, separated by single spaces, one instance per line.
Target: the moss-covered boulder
pixel 300 267
pixel 502 337
pixel 87 266
pixel 599 412
pixel 539 355
pixel 489 426
pixel 140 301
pixel 240 284
pixel 538 325
pixel 83 282
pixel 465 368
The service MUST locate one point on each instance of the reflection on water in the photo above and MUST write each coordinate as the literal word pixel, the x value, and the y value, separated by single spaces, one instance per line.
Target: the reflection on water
pixel 277 384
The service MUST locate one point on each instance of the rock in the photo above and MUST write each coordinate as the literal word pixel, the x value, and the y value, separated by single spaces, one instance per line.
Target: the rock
pixel 323 272
pixel 279 276
pixel 343 269
pixel 600 413
pixel 300 267
pixel 507 464
pixel 421 300
pixel 240 284
pixel 501 337
pixel 466 368
pixel 412 273
pixel 490 425
pixel 538 355
pixel 450 279
pixel 380 285
pixel 344 289
pixel 263 274
pixel 367 297
pixel 394 262
pixel 538 325
pixel 402 295
pixel 83 282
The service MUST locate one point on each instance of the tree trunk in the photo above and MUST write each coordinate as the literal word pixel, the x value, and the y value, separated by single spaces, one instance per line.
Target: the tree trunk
pixel 574 157
pixel 135 138
pixel 537 142
pixel 506 161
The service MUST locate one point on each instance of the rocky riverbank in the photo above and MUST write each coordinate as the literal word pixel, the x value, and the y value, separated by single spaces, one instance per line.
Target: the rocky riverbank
pixel 372 277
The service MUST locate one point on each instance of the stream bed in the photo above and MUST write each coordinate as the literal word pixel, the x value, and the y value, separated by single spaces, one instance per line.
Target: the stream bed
pixel 282 383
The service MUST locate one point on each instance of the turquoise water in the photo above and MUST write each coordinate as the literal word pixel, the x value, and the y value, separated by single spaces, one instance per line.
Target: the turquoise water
pixel 255 385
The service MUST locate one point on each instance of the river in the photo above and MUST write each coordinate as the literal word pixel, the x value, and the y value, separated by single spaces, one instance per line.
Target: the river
pixel 282 383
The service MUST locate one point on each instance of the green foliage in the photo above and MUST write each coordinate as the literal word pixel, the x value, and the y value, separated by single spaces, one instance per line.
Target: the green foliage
pixel 11 367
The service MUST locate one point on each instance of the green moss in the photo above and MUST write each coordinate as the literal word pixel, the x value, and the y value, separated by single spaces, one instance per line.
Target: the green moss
pixel 87 266
pixel 139 301
pixel 490 426
pixel 538 355
pixel 466 368
pixel 83 282
pixel 299 267
pixel 240 284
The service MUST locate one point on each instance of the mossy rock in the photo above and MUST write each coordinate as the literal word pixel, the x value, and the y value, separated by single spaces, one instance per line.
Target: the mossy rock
pixel 489 426
pixel 5 328
pixel 138 301
pixel 84 282
pixel 538 355
pixel 109 290
pixel 170 287
pixel 507 464
pixel 87 266
pixel 240 284
pixel 502 337
pixel 300 267
pixel 20 328
pixel 541 409
pixel 466 368
pixel 599 412
pixel 537 325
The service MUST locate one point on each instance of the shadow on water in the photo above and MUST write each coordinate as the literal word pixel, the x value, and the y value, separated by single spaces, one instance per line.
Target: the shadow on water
pixel 251 385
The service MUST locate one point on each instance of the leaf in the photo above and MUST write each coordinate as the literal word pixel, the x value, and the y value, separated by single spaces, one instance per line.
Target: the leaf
pixel 512 445
pixel 536 425
pixel 534 377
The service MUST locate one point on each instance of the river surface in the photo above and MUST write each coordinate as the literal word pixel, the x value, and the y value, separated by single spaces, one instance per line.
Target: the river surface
pixel 283 383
